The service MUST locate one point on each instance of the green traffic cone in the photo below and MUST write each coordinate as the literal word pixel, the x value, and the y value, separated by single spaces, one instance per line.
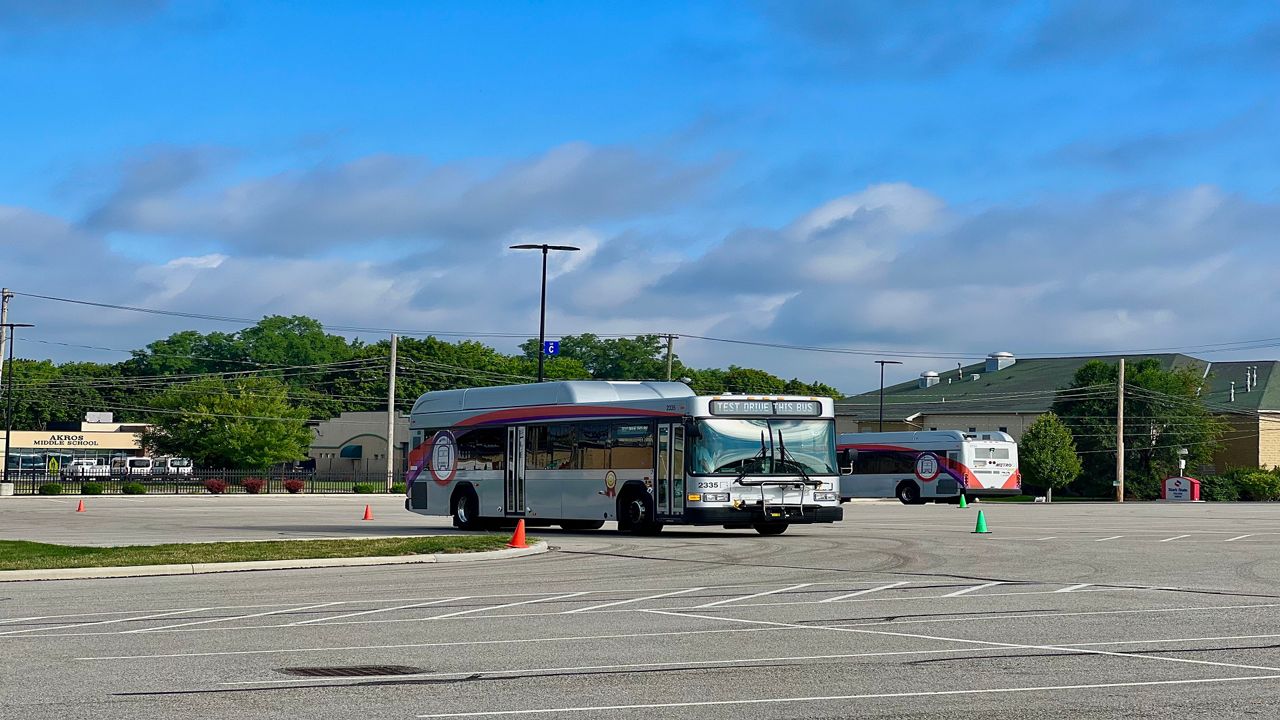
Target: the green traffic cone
pixel 982 524
pixel 963 503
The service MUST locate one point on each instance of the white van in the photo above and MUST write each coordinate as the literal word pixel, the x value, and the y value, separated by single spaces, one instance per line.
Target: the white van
pixel 131 466
pixel 171 466
pixel 88 467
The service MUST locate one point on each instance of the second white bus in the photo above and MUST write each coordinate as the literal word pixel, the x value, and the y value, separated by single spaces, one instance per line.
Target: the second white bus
pixel 928 465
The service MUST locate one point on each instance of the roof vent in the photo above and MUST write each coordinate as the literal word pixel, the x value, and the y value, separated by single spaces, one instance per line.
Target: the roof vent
pixel 999 360
pixel 975 377
pixel 928 379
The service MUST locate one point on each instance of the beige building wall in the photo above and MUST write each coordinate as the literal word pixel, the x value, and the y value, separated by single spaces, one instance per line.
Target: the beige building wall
pixel 1014 423
pixel 368 430
pixel 1269 440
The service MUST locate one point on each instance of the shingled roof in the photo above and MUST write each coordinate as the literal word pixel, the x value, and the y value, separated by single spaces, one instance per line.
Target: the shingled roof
pixel 1030 385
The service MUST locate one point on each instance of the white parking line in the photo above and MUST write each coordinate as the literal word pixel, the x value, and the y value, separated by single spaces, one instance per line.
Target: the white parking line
pixel 105 622
pixel 507 605
pixel 1238 537
pixel 749 597
pixel 229 618
pixel 372 612
pixel 632 600
pixel 985 643
pixel 868 590
pixel 1073 588
pixel 1176 537
pixel 1113 537
pixel 968 590
pixel 832 698
pixel 1051 537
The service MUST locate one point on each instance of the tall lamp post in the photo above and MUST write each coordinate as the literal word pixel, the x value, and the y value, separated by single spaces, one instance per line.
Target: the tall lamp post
pixel 882 363
pixel 542 316
pixel 8 415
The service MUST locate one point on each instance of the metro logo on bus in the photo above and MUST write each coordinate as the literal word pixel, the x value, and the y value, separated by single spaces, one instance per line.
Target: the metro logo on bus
pixel 927 467
pixel 443 461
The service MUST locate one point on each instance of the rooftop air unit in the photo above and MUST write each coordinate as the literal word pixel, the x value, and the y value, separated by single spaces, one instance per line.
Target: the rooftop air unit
pixel 928 379
pixel 999 361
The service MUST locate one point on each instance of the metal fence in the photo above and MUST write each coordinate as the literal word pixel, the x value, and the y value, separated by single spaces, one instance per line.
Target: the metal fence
pixel 27 482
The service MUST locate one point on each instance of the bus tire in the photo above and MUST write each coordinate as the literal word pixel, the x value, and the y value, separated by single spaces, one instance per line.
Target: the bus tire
pixel 581 524
pixel 466 510
pixel 635 514
pixel 771 528
pixel 909 493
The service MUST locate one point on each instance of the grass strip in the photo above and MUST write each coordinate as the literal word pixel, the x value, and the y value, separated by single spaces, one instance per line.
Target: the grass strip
pixel 1030 498
pixel 24 555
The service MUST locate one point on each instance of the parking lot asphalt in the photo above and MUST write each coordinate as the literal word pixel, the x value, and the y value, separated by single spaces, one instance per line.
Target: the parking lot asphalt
pixel 1098 611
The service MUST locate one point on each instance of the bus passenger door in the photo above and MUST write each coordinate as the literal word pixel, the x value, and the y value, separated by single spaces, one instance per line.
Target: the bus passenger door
pixel 514 503
pixel 669 493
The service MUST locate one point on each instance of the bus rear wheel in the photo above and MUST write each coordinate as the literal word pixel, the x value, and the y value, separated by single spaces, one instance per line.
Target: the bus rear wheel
pixel 466 510
pixel 909 493
pixel 775 528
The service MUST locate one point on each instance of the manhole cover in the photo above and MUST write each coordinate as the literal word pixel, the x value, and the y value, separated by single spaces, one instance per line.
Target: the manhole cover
pixel 352 671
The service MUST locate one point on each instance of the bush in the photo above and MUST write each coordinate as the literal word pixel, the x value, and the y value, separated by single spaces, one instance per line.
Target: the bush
pixel 134 488
pixel 294 486
pixel 253 486
pixel 215 486
pixel 365 488
pixel 92 488
pixel 1218 488
pixel 1259 485
pixel 398 488
pixel 51 489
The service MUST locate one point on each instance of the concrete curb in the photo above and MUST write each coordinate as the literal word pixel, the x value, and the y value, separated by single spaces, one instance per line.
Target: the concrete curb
pixel 536 548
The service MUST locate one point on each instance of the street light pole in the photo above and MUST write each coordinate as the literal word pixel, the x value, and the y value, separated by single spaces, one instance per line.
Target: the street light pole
pixel 882 363
pixel 8 423
pixel 542 313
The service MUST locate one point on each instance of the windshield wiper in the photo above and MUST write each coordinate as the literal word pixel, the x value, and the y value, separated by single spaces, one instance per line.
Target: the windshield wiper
pixel 763 452
pixel 785 455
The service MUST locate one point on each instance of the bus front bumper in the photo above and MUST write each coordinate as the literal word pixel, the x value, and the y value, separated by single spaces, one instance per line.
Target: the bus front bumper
pixel 750 515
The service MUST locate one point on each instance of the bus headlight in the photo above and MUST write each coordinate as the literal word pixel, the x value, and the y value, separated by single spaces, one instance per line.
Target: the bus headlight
pixel 715 497
pixel 826 496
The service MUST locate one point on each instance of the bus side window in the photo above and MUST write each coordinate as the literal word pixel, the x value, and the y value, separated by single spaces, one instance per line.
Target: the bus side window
pixel 562 438
pixel 537 450
pixel 632 446
pixel 593 446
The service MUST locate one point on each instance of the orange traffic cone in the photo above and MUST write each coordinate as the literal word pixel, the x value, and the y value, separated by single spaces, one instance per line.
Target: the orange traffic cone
pixel 368 513
pixel 80 507
pixel 517 538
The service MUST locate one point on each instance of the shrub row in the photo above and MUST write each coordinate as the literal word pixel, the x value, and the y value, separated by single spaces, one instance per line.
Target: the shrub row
pixel 1241 484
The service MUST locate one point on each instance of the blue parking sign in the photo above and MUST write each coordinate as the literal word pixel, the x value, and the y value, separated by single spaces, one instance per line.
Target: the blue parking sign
pixel 551 347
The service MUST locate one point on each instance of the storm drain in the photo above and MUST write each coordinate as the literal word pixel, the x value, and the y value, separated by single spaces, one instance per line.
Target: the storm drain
pixel 352 671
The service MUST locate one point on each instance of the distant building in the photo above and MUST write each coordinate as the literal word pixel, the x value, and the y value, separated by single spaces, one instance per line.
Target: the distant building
pixel 1006 393
pixel 356 442
pixel 68 441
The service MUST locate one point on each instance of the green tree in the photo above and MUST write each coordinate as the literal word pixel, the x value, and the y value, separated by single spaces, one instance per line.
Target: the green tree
pixel 1163 412
pixel 1047 454
pixel 242 423
pixel 643 357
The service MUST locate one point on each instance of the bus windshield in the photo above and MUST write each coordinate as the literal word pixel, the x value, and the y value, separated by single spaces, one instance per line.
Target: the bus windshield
pixel 726 446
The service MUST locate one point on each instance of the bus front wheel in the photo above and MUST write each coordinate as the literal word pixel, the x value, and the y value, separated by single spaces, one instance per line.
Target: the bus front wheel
pixel 635 514
pixel 466 511
pixel 909 493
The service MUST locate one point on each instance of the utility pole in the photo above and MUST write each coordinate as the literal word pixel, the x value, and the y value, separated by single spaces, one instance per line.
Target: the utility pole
pixel 882 363
pixel 1120 434
pixel 391 417
pixel 671 341
pixel 5 296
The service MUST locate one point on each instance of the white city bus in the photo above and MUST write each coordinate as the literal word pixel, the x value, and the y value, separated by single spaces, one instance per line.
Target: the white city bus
pixel 927 465
pixel 646 454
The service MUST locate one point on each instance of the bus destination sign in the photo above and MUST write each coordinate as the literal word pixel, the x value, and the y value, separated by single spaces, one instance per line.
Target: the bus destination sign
pixel 800 408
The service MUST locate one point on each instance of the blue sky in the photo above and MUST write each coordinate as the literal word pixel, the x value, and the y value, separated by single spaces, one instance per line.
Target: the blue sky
pixel 820 173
